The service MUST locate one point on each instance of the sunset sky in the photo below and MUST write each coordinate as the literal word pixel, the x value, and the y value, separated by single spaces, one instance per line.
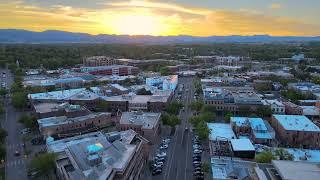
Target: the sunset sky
pixel 164 17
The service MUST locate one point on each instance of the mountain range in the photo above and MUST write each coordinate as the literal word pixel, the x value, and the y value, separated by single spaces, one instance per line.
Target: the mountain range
pixel 53 36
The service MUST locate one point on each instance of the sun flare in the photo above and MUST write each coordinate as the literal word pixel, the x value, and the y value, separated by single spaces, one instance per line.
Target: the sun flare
pixel 138 25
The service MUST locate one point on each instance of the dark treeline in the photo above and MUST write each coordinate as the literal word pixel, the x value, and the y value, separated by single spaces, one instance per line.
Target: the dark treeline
pixel 66 55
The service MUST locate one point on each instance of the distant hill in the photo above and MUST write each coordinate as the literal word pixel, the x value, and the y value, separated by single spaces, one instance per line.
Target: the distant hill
pixel 52 36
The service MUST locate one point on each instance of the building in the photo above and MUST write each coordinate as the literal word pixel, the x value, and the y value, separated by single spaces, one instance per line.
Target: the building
pixel 163 82
pixel 232 99
pixel 292 109
pixel 311 112
pixel 113 156
pixel 304 87
pixel 296 131
pixel 296 170
pixel 45 110
pixel 243 148
pixel 145 123
pixel 223 81
pixel 119 70
pixel 258 130
pixel 228 60
pixel 98 61
pixel 220 132
pixel 131 102
pixel 226 168
pixel 262 85
pixel 80 96
pixel 64 126
pixel 276 106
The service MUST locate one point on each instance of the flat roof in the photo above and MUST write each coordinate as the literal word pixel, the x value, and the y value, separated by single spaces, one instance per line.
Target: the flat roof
pixel 297 170
pixel 60 120
pixel 296 123
pixel 145 120
pixel 242 145
pixel 309 155
pixel 220 131
pixel 114 155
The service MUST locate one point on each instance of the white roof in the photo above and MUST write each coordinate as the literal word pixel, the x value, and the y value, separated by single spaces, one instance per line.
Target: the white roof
pixel 242 145
pixel 221 131
pixel 297 170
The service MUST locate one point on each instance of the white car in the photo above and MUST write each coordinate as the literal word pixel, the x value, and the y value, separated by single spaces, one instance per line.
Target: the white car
pixel 162 154
pixel 164 146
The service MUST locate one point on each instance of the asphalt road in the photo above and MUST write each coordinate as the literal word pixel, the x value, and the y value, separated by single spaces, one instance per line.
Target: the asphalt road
pixel 15 165
pixel 178 165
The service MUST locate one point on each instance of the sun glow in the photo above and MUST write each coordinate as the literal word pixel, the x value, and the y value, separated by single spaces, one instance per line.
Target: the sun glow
pixel 139 25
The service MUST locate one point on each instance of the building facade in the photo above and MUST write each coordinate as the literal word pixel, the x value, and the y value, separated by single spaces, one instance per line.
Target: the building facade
pixel 296 131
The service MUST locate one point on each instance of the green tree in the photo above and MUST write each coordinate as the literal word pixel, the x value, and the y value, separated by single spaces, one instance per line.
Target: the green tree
pixel 202 130
pixel 28 121
pixel 170 119
pixel 43 164
pixel 3 135
pixel 283 154
pixel 207 116
pixel 164 71
pixel 174 108
pixel 263 111
pixel 196 105
pixel 264 157
pixel 206 167
pixel 143 91
pixel 227 117
pixel 2 152
pixel 19 100
pixel 3 92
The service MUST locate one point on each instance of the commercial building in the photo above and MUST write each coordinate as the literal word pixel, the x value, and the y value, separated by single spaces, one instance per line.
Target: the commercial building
pixel 258 130
pixel 163 82
pixel 223 81
pixel 232 98
pixel 296 131
pixel 119 70
pixel 276 106
pixel 243 148
pixel 113 156
pixel 221 132
pixel 154 103
pixel 293 109
pixel 65 126
pixel 98 61
pixel 296 170
pixel 226 168
pixel 80 96
pixel 145 123
pixel 45 110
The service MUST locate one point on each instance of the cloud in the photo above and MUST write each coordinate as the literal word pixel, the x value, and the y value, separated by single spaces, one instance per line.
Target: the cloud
pixel 275 6
pixel 174 19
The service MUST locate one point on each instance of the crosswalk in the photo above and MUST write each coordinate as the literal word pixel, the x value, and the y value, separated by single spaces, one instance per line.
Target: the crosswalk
pixel 16 163
pixel 13 146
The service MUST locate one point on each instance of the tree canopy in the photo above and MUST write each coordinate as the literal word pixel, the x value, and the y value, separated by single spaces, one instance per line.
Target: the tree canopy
pixel 43 164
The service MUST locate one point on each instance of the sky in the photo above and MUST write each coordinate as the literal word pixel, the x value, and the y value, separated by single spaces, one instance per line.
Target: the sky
pixel 164 17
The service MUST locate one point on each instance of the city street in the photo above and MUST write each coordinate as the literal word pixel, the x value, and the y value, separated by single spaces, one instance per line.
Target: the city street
pixel 179 161
pixel 15 165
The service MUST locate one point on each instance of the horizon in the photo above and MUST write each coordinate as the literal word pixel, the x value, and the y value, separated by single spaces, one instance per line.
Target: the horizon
pixel 56 30
pixel 165 18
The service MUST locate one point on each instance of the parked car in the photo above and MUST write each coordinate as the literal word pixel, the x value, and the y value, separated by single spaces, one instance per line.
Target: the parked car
pixel 164 146
pixel 25 131
pixel 157 171
pixel 162 154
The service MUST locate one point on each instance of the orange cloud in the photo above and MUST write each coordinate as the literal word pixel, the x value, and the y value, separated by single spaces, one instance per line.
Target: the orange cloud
pixel 157 18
